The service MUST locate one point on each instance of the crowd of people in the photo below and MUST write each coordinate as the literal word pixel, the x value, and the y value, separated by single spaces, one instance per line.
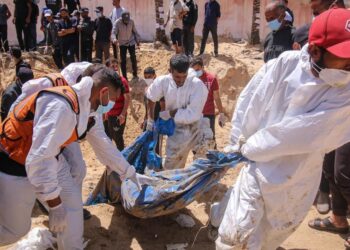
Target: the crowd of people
pixel 71 33
pixel 290 122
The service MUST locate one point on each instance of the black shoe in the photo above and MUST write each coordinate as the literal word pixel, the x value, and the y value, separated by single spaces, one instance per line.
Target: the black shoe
pixel 86 214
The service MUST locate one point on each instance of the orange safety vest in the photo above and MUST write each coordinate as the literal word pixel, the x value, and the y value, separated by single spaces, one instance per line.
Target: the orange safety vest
pixel 16 131
pixel 56 79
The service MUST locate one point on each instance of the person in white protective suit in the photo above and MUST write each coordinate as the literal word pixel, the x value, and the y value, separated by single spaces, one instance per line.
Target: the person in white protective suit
pixel 70 75
pixel 185 96
pixel 296 109
pixel 34 168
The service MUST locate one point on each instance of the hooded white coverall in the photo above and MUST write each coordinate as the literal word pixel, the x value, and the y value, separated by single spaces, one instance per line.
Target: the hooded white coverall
pixel 48 177
pixel 290 119
pixel 189 101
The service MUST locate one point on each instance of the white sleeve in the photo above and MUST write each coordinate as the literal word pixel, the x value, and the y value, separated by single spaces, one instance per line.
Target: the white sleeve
pixel 243 102
pixel 31 87
pixel 53 124
pixel 321 130
pixel 194 110
pixel 106 151
pixel 155 91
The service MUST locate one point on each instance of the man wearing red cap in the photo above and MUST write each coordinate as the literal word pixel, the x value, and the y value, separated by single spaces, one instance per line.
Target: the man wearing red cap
pixel 293 111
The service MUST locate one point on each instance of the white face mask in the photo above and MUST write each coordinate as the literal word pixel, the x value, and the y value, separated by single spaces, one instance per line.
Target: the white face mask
pixel 199 73
pixel 333 77
pixel 149 82
pixel 98 14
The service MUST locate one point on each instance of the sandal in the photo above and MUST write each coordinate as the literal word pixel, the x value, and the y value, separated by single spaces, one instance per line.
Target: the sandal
pixel 327 226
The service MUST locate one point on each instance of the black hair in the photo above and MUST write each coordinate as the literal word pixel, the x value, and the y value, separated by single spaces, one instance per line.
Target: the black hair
pixel 329 3
pixel 92 69
pixel 180 63
pixel 149 71
pixel 25 74
pixel 107 77
pixel 110 61
pixel 197 61
pixel 16 52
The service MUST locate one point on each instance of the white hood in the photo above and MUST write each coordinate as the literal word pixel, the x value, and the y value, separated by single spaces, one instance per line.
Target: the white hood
pixel 73 71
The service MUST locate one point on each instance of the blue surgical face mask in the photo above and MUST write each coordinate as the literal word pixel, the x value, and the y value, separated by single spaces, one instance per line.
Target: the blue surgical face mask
pixel 105 109
pixel 199 73
pixel 275 24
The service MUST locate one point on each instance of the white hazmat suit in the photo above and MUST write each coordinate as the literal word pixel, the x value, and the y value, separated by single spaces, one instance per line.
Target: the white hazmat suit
pixel 189 101
pixel 48 177
pixel 290 119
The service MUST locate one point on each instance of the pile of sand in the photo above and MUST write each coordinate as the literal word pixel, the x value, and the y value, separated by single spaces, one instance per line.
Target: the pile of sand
pixel 110 227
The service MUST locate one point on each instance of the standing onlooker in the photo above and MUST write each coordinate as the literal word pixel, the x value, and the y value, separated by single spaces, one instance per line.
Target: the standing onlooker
pixel 86 30
pixel 212 84
pixel 177 11
pixel 21 19
pixel 16 54
pixel 43 24
pixel 116 117
pixel 32 25
pixel 103 28
pixel 189 24
pixel 66 30
pixel 280 39
pixel 5 14
pixel 212 16
pixel 114 16
pixel 14 90
pixel 53 39
pixel 54 5
pixel 72 5
pixel 76 15
pixel 125 34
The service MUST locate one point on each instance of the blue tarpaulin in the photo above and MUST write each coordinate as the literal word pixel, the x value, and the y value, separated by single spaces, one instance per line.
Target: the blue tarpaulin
pixel 175 189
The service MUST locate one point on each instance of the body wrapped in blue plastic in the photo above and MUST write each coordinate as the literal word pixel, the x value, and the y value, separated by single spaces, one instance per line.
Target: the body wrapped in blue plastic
pixel 175 189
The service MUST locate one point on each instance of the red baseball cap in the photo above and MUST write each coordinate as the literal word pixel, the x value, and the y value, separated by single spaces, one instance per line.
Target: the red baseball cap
pixel 331 31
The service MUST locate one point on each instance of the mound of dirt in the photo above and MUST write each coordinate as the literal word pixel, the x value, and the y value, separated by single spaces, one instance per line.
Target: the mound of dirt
pixel 41 65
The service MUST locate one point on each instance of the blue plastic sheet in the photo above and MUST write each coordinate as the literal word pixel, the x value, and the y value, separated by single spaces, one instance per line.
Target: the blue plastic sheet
pixel 175 189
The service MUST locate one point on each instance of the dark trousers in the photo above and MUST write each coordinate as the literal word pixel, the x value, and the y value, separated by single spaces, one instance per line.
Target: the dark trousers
pixel 214 34
pixel 115 51
pixel 188 40
pixel 115 131
pixel 212 125
pixel 57 57
pixel 32 36
pixel 23 31
pixel 86 50
pixel 4 44
pixel 337 171
pixel 102 48
pixel 68 50
pixel 132 52
pixel 327 161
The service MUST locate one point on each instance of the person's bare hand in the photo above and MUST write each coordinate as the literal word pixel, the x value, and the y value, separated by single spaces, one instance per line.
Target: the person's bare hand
pixel 121 119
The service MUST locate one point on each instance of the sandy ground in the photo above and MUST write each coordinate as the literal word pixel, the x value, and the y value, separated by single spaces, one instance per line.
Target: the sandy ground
pixel 111 228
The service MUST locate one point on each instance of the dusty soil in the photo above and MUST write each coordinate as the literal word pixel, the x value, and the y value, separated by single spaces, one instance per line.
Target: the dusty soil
pixel 110 227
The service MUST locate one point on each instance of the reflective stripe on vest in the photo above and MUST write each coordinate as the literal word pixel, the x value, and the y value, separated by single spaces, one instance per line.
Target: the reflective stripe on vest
pixel 16 131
